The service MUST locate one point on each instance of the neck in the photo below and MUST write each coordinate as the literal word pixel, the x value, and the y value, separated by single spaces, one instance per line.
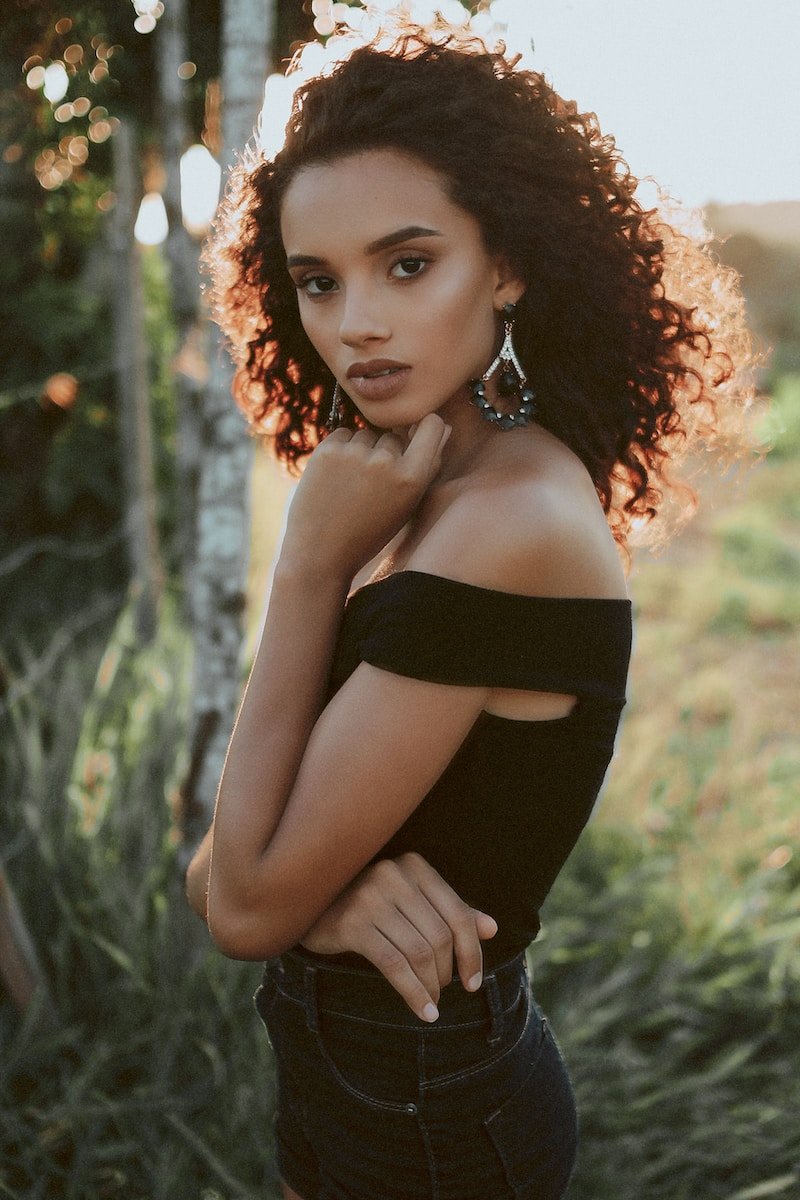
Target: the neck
pixel 472 443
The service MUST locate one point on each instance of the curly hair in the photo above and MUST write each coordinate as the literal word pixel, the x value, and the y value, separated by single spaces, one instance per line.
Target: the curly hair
pixel 630 331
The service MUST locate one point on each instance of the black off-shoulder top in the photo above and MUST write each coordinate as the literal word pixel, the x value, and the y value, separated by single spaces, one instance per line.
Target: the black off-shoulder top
pixel 502 819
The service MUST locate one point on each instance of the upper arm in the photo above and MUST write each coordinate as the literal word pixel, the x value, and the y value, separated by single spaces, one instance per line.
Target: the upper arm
pixel 376 750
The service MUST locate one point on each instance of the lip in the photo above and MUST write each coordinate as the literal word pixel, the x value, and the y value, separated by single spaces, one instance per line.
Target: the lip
pixel 363 378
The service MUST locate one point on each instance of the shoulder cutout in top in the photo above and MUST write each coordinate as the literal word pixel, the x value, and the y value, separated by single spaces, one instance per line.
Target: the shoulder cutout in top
pixel 442 630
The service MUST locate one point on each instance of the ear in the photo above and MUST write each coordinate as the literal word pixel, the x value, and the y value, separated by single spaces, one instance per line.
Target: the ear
pixel 508 287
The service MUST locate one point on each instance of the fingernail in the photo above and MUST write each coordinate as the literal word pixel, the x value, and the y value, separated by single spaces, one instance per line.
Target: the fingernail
pixel 475 982
pixel 430 1013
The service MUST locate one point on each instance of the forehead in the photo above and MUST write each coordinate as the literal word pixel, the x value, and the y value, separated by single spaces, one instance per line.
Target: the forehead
pixel 353 201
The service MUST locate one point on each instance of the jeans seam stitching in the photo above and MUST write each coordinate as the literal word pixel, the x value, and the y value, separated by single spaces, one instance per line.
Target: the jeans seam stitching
pixel 485 1066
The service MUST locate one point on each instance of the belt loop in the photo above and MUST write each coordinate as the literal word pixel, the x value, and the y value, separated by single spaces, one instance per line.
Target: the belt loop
pixel 310 997
pixel 495 1009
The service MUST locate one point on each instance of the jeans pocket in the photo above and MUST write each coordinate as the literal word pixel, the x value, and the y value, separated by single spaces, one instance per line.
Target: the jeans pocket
pixel 374 1063
pixel 460 1052
pixel 534 1130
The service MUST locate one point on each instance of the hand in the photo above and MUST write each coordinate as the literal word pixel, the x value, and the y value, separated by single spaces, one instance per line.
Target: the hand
pixel 358 490
pixel 402 916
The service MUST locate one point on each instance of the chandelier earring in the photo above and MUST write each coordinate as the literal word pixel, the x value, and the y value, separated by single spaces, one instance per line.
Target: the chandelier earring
pixel 335 414
pixel 512 381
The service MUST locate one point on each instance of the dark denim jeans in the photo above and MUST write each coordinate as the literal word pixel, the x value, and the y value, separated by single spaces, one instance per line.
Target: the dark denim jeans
pixel 374 1104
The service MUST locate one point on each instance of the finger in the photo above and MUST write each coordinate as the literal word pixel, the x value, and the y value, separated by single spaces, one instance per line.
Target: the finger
pixel 395 967
pixel 425 444
pixel 390 441
pixel 415 947
pixel 365 437
pixel 460 919
pixel 487 926
pixel 429 923
pixel 466 942
pixel 411 922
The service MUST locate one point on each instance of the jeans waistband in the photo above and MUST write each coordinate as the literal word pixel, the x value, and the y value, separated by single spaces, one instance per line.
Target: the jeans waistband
pixel 365 994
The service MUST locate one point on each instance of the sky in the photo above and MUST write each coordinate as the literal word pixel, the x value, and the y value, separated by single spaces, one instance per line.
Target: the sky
pixel 702 94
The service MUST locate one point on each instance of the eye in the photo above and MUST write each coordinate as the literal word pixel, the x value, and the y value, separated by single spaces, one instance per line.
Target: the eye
pixel 316 285
pixel 408 266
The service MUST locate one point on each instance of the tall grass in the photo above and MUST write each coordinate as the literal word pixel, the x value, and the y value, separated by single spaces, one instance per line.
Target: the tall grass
pixel 147 1078
pixel 668 961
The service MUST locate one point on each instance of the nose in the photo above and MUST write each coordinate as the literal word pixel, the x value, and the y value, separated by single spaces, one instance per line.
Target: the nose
pixel 362 318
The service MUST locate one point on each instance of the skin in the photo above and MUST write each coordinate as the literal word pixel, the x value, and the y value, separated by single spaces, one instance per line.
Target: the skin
pixel 310 792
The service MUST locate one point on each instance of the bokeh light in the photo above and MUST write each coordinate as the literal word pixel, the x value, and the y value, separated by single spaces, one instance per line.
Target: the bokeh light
pixel 100 131
pixel 278 94
pixel 200 180
pixel 61 389
pixel 35 77
pixel 148 13
pixel 151 226
pixel 56 82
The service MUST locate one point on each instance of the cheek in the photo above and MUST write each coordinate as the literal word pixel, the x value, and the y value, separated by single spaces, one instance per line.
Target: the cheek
pixel 315 329
pixel 460 312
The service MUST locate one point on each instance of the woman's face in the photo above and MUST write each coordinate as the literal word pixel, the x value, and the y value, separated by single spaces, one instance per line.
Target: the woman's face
pixel 396 290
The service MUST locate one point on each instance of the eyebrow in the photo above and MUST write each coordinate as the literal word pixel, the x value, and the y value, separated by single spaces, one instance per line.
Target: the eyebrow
pixel 382 243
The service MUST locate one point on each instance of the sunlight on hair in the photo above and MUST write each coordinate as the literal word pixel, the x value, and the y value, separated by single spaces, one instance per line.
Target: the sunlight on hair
pixel 151 226
pixel 344 28
pixel 693 222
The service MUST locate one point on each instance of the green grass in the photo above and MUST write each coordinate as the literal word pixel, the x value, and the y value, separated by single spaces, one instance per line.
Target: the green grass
pixel 147 1067
pixel 668 962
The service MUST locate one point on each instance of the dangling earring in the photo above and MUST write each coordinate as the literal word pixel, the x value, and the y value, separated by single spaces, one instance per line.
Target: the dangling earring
pixel 512 381
pixel 335 414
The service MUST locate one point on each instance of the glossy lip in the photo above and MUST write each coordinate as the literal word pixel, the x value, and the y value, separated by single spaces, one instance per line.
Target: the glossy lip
pixel 368 386
pixel 362 370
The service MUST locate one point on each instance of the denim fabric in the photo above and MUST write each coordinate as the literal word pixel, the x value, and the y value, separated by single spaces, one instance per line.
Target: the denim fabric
pixel 374 1104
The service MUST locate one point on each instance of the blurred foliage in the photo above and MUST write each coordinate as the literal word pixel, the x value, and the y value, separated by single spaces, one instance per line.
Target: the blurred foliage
pixel 146 1070
pixel 61 474
pixel 771 281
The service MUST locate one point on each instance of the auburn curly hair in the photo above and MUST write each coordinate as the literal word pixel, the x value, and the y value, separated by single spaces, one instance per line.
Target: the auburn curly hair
pixel 631 333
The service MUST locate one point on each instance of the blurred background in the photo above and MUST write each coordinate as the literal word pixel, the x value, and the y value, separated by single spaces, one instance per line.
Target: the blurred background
pixel 138 523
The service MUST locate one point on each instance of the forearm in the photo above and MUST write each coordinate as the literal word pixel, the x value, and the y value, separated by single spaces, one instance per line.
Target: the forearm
pixel 282 701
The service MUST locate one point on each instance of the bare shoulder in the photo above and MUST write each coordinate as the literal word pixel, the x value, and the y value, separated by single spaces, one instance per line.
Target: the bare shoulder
pixel 536 528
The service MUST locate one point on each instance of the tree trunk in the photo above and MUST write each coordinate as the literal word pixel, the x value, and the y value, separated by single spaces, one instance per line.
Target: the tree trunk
pixel 182 254
pixel 224 512
pixel 133 399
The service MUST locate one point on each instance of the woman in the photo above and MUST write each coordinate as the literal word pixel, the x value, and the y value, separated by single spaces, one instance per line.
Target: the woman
pixel 446 266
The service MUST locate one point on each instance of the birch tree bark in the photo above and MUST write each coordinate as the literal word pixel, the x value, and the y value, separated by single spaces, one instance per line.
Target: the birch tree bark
pixel 182 254
pixel 218 595
pixel 133 389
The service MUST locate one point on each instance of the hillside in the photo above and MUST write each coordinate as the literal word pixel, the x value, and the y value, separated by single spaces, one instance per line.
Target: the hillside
pixel 778 221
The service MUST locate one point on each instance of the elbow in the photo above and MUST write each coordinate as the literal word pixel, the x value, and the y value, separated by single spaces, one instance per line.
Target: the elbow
pixel 245 936
pixel 196 885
